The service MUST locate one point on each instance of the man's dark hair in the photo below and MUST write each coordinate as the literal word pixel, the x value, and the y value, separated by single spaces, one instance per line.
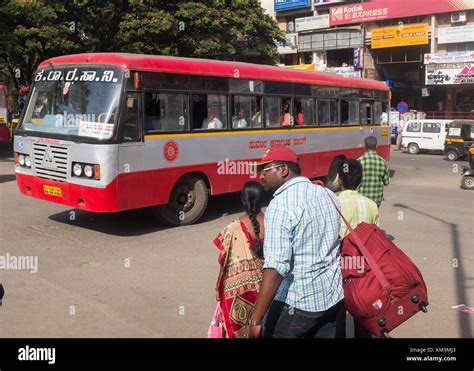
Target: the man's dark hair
pixel 350 173
pixel 371 143
pixel 295 168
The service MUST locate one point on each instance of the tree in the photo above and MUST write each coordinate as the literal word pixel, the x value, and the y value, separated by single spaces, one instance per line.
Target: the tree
pixel 35 30
pixel 30 32
pixel 229 30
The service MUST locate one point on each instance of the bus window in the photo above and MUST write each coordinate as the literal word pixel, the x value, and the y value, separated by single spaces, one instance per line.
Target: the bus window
pixel 257 112
pixel 272 111
pixel 327 113
pixel 380 113
pixel 365 113
pixel 165 112
pixel 304 112
pixel 152 112
pixel 242 109
pixel 349 112
pixel 245 86
pixel 132 118
pixel 209 111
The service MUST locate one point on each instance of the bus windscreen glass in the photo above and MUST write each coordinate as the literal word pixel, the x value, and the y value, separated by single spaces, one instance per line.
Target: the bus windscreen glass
pixel 79 101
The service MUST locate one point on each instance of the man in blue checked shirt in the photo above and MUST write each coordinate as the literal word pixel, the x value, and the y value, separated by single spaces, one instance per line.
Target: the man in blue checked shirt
pixel 301 292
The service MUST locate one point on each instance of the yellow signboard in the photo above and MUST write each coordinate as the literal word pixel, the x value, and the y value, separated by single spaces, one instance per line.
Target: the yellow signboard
pixel 305 67
pixel 52 191
pixel 403 35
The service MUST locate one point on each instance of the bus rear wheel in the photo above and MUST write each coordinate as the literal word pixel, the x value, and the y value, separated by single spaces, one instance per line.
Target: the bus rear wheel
pixel 187 202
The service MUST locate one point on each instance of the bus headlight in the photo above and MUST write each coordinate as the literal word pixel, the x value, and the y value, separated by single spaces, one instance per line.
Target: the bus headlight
pixel 88 171
pixel 77 169
pixel 82 170
pixel 27 161
pixel 21 159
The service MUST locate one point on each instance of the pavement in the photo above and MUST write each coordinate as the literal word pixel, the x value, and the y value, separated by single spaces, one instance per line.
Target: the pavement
pixel 125 275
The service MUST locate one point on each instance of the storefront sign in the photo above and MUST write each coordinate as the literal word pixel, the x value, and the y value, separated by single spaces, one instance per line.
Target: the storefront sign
pixel 359 58
pixel 312 23
pixel 327 2
pixel 450 74
pixel 453 57
pixel 388 9
pixel 394 117
pixel 390 37
pixel 343 71
pixel 459 34
pixel 281 5
pixel 398 84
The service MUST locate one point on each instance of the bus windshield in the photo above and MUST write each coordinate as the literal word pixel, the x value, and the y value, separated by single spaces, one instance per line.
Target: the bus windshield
pixel 77 101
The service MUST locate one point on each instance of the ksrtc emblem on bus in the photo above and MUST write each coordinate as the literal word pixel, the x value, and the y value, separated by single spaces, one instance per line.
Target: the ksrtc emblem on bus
pixel 170 150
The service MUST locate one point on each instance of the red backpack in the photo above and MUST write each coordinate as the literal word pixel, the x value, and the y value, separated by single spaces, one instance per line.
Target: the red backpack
pixel 382 286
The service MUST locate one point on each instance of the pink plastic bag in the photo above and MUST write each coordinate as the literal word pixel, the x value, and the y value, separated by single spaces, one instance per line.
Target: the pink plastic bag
pixel 215 329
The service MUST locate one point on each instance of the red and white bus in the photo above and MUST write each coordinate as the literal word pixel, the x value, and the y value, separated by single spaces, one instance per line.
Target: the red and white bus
pixel 4 129
pixel 109 132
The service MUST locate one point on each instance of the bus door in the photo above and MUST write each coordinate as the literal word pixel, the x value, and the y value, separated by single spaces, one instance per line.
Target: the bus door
pixel 130 150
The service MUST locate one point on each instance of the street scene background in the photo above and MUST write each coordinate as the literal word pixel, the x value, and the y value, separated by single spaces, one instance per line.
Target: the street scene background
pixel 125 275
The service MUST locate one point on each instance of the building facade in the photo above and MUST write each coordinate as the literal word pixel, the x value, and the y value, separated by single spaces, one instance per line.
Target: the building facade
pixel 423 50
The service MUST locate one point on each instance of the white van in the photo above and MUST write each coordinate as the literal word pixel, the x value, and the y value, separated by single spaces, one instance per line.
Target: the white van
pixel 419 135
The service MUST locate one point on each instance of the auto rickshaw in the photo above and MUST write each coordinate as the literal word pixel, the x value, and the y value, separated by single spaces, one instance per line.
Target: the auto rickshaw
pixel 467 180
pixel 459 139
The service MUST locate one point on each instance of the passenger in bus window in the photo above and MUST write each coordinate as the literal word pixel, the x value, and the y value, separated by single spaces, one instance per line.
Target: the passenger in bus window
pixel 257 116
pixel 285 115
pixel 41 105
pixel 239 121
pixel 212 121
pixel 299 115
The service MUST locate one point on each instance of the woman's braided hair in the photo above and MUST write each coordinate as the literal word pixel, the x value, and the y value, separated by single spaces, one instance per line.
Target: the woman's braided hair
pixel 252 197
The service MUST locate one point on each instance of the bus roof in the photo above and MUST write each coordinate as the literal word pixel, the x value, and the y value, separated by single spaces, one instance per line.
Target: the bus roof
pixel 208 67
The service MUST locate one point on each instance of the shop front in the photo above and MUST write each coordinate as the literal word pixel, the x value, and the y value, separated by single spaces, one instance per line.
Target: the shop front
pixel 450 76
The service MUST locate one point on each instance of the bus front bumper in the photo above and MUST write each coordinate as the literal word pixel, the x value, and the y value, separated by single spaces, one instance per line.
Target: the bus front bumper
pixel 75 195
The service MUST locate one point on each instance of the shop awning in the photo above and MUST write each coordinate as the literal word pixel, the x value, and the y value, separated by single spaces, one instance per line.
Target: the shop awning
pixel 305 67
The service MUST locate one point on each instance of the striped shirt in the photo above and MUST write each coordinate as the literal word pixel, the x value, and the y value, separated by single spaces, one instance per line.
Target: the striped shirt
pixel 302 245
pixel 375 176
pixel 357 209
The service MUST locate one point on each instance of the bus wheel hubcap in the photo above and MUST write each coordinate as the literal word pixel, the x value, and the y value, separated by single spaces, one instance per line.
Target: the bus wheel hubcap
pixel 184 199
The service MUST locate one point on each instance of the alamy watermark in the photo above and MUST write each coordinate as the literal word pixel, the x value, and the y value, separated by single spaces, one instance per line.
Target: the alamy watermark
pixel 229 167
pixel 348 262
pixel 13 262
pixel 37 354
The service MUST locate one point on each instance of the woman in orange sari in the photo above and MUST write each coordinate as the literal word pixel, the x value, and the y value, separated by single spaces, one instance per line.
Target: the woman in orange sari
pixel 241 261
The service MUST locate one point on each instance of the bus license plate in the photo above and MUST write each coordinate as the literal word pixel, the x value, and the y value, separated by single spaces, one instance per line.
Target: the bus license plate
pixel 52 191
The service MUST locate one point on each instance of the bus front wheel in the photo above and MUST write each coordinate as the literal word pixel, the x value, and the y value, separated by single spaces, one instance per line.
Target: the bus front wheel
pixel 187 202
